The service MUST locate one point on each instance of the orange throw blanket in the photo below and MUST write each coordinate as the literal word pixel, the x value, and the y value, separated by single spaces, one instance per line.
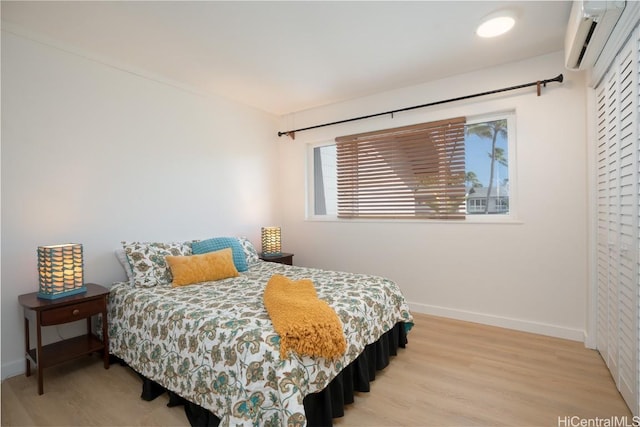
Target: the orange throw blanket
pixel 305 323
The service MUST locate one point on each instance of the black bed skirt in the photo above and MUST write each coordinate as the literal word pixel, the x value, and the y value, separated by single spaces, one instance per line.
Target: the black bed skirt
pixel 320 408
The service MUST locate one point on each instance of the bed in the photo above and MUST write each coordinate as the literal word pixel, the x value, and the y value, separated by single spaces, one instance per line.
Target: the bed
pixel 213 344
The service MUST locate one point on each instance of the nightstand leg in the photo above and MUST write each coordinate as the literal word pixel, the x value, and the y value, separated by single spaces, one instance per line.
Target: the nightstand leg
pixel 39 354
pixel 105 338
pixel 26 345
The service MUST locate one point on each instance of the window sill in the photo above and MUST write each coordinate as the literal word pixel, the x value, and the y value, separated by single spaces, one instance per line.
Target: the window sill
pixel 489 219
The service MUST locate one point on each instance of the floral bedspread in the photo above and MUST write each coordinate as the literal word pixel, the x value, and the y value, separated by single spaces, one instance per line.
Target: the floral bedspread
pixel 214 344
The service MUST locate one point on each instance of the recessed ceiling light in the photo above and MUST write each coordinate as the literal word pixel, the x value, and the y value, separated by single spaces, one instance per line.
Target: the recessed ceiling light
pixel 496 24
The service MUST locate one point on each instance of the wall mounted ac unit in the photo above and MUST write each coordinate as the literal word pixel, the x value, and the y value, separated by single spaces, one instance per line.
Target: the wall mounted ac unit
pixel 589 27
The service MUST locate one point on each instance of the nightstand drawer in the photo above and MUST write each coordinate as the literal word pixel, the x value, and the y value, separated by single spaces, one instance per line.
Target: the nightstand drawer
pixel 69 313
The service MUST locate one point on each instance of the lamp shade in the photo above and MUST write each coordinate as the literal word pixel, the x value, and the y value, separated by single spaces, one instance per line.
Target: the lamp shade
pixel 60 268
pixel 271 241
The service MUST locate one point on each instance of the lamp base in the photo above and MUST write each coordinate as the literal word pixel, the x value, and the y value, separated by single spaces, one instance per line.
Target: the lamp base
pixel 271 255
pixel 63 294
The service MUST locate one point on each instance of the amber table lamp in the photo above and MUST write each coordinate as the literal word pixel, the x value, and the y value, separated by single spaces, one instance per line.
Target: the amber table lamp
pixel 271 241
pixel 60 268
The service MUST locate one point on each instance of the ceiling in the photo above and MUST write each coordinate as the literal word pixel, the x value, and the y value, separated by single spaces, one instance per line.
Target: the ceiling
pixel 283 57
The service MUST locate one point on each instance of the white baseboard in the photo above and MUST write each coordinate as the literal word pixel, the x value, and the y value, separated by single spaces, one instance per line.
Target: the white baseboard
pixel 503 322
pixel 14 368
pixel 589 341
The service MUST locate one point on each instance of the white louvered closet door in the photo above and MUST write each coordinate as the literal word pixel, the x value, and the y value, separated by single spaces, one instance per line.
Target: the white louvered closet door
pixel 618 222
pixel 607 111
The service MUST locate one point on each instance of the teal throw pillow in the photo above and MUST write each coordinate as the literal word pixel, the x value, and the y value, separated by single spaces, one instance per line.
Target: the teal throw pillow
pixel 218 243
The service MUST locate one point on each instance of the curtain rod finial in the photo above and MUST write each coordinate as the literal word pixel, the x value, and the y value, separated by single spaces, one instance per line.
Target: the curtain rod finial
pixel 291 134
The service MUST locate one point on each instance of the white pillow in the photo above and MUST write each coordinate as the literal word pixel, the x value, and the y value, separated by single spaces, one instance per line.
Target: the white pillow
pixel 122 257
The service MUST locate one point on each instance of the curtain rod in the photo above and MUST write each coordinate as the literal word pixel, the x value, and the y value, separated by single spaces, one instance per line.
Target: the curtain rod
pixel 559 78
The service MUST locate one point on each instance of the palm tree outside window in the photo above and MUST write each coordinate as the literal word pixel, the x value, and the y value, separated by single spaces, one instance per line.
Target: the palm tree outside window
pixel 487 177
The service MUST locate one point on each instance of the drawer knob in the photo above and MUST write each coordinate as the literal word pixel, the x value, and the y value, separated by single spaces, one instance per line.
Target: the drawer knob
pixel 75 312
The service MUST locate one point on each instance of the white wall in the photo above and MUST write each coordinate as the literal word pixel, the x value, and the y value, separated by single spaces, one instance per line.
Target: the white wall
pixel 95 155
pixel 530 275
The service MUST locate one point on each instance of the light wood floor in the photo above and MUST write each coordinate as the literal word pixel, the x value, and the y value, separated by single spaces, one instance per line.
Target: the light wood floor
pixel 452 373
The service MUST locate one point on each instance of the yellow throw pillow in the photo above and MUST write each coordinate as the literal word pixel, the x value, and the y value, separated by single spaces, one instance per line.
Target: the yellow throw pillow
pixel 187 270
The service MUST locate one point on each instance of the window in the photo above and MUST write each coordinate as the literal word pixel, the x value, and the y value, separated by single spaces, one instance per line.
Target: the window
pixel 476 205
pixel 487 167
pixel 324 178
pixel 451 169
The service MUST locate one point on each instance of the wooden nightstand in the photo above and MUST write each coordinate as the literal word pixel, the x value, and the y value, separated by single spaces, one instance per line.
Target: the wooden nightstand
pixel 283 258
pixel 65 310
